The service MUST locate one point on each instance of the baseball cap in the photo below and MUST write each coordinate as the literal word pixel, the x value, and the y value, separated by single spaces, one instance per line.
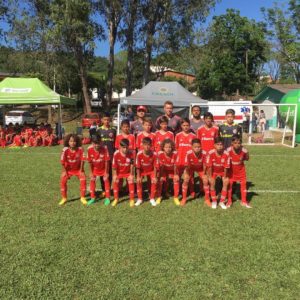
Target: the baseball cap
pixel 141 107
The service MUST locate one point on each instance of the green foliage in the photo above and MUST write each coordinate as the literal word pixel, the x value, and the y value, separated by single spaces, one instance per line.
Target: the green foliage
pixel 166 252
pixel 284 35
pixel 232 56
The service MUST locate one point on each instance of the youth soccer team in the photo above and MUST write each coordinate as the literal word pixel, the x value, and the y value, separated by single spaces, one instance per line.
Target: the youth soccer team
pixel 160 160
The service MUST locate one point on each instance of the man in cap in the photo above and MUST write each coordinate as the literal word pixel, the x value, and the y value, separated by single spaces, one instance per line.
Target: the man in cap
pixel 137 125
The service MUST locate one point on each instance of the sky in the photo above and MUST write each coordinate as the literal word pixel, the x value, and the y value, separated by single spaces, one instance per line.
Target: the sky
pixel 247 8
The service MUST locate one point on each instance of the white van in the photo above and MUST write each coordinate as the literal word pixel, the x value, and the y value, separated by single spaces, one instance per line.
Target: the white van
pixel 20 117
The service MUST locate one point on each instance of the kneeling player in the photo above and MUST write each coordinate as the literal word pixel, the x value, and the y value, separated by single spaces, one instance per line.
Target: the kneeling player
pixel 72 161
pixel 195 162
pixel 123 167
pixel 167 169
pixel 237 173
pixel 98 157
pixel 146 163
pixel 217 167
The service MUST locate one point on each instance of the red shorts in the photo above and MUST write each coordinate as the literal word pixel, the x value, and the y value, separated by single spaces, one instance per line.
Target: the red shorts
pixel 120 176
pixel 215 175
pixel 150 174
pixel 98 173
pixel 237 179
pixel 74 173
pixel 167 174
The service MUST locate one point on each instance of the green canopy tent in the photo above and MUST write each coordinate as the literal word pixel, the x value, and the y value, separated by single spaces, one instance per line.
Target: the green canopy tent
pixel 31 91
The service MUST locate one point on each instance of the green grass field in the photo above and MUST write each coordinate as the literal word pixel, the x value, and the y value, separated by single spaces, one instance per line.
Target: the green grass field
pixel 166 252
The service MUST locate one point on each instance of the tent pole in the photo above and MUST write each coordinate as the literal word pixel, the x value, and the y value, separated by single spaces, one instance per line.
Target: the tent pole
pixel 60 121
pixel 119 112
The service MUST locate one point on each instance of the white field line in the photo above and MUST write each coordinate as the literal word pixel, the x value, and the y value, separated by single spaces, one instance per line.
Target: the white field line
pixel 275 191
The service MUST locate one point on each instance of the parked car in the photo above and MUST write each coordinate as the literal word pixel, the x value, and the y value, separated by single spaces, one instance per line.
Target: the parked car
pixel 115 118
pixel 20 117
pixel 89 119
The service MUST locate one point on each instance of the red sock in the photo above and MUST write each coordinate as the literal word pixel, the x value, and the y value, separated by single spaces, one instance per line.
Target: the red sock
pixel 63 186
pixel 176 189
pixel 116 189
pixel 139 190
pixel 206 192
pixel 107 187
pixel 244 191
pixel 82 179
pixel 93 187
pixel 229 195
pixel 223 196
pixel 153 189
pixel 131 190
pixel 213 196
pixel 184 192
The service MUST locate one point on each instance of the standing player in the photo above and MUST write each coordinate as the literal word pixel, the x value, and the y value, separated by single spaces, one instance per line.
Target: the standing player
pixel 146 164
pixel 183 143
pixel 196 120
pixel 237 154
pixel 137 125
pixel 125 134
pixel 162 134
pixel 229 128
pixel 72 161
pixel 195 162
pixel 98 157
pixel 217 167
pixel 147 125
pixel 123 167
pixel 167 169
pixel 208 132
pixel 2 137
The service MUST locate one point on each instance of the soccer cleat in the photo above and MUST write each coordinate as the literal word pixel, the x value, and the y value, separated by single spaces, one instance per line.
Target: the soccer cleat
pixel 90 202
pixel 176 201
pixel 207 202
pixel 83 201
pixel 103 194
pixel 131 203
pixel 138 202
pixel 158 200
pixel 106 201
pixel 222 205
pixel 214 205
pixel 228 204
pixel 152 202
pixel 62 201
pixel 246 204
pixel 114 203
pixel 183 202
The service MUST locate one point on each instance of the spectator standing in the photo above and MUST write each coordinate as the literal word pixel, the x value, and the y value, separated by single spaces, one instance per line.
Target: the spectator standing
pixel 137 126
pixel 196 120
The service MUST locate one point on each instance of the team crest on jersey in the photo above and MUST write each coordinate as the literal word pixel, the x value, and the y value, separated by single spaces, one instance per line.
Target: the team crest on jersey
pixel 111 135
pixel 222 160
pixel 234 131
pixel 128 160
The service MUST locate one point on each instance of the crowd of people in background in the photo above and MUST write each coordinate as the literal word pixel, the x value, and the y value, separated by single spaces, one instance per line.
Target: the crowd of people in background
pixel 15 135
pixel 172 150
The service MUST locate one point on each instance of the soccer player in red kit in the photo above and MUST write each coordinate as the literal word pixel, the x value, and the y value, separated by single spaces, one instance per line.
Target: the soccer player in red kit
pixel 98 157
pixel 183 143
pixel 162 134
pixel 123 167
pixel 237 173
pixel 146 166
pixel 147 126
pixel 72 160
pixel 195 162
pixel 208 132
pixel 168 169
pixel 2 137
pixel 217 167
pixel 17 140
pixel 125 134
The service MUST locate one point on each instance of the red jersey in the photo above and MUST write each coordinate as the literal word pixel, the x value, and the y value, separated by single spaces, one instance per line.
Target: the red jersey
pixel 207 137
pixel 2 133
pixel 183 144
pixel 146 163
pixel 167 162
pixel 139 139
pixel 236 163
pixel 97 159
pixel 17 140
pixel 159 137
pixel 71 159
pixel 195 162
pixel 217 162
pixel 130 137
pixel 122 163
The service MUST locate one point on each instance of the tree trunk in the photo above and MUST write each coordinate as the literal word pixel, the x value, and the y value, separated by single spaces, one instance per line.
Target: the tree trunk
pixel 84 83
pixel 130 41
pixel 111 62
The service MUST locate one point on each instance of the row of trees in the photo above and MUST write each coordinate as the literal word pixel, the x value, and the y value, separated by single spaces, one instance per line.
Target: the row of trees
pixel 56 40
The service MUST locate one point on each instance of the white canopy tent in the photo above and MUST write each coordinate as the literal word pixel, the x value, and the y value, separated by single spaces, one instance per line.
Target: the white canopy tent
pixel 156 93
